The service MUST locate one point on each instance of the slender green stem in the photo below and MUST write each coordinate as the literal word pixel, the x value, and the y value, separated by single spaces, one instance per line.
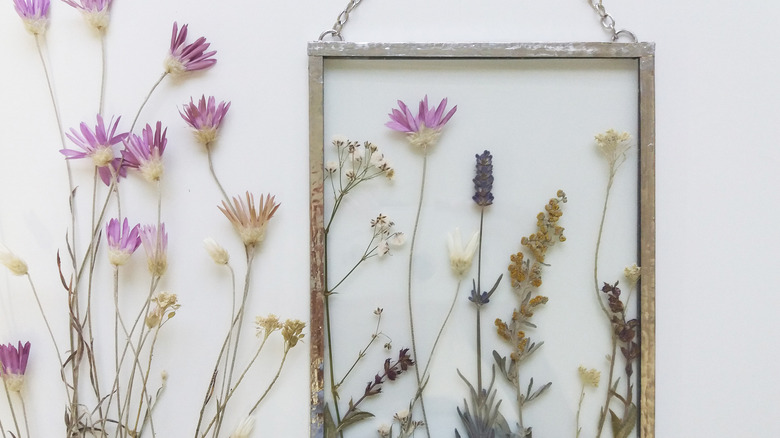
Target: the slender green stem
pixel 362 353
pixel 146 378
pixel 154 87
pixel 45 319
pixel 578 428
pixel 409 285
pixel 479 306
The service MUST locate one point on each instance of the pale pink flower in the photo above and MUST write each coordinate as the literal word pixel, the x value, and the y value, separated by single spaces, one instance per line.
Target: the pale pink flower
pixel 95 11
pixel 122 241
pixel 156 246
pixel 98 145
pixel 250 222
pixel 14 364
pixel 34 14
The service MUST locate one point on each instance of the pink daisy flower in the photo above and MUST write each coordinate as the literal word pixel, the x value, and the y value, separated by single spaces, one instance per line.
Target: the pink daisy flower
pixel 144 152
pixel 14 364
pixel 205 117
pixel 423 129
pixel 34 14
pixel 122 241
pixel 98 145
pixel 95 11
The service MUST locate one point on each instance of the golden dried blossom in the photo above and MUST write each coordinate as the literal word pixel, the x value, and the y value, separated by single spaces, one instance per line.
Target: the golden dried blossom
pixel 614 146
pixel 248 220
pixel 266 325
pixel 165 302
pixel 292 332
pixel 503 329
pixel 589 377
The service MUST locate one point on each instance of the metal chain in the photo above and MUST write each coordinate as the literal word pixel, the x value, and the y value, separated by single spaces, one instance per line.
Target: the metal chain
pixel 340 21
pixel 608 23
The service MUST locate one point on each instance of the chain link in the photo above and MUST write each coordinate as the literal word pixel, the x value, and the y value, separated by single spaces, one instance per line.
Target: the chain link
pixel 342 19
pixel 608 23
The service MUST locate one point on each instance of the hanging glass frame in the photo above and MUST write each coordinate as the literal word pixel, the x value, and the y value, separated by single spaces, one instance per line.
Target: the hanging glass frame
pixel 537 108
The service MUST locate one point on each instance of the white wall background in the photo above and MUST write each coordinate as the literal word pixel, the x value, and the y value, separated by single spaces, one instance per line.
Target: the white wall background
pixel 716 94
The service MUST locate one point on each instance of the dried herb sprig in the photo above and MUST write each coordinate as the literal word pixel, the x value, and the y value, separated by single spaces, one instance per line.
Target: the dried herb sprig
pixel 525 273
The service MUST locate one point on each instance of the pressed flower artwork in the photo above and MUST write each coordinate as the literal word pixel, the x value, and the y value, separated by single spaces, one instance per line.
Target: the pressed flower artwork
pixel 498 184
pixel 142 324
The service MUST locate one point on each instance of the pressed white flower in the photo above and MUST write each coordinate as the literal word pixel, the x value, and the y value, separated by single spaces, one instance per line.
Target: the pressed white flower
pixel 397 239
pixel 460 257
pixel 216 252
pixel 331 166
pixel 382 248
pixel 339 140
pixel 632 274
pixel 384 430
pixel 614 146
pixel 402 415
pixel 244 428
pixel 16 265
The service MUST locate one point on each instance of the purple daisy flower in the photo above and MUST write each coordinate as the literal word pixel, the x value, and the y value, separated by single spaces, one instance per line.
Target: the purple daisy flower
pixel 97 145
pixel 144 152
pixel 95 11
pixel 424 128
pixel 189 57
pixel 34 14
pixel 156 247
pixel 205 117
pixel 14 363
pixel 122 241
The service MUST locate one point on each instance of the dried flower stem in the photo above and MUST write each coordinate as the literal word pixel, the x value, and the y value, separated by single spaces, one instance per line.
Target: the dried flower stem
pixel 11 406
pixel 362 352
pixel 441 330
pixel 273 381
pixel 146 99
pixel 24 414
pixel 216 180
pixel 409 285
pixel 102 72
pixel 579 408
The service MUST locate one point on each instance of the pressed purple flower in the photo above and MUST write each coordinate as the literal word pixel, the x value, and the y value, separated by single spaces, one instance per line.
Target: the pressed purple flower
pixel 424 128
pixel 205 117
pixel 144 152
pixel 483 181
pixel 156 246
pixel 34 14
pixel 98 145
pixel 95 11
pixel 189 57
pixel 14 362
pixel 122 241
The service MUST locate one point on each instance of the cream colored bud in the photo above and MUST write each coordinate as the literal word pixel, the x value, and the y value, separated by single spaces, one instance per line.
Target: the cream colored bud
pixel 11 261
pixel 216 252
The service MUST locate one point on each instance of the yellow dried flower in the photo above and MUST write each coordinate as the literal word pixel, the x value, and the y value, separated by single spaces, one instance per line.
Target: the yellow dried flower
pixel 589 377
pixel 502 329
pixel 292 332
pixel 266 325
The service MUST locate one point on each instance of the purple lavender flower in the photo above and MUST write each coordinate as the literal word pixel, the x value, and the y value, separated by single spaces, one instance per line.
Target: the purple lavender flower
pixel 14 363
pixel 156 246
pixel 95 11
pixel 205 117
pixel 34 14
pixel 122 241
pixel 483 182
pixel 190 57
pixel 424 128
pixel 97 145
pixel 144 152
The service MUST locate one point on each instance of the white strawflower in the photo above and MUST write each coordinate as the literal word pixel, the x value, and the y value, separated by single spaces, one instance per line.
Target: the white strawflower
pixel 216 252
pixel 244 428
pixel 460 256
pixel 632 273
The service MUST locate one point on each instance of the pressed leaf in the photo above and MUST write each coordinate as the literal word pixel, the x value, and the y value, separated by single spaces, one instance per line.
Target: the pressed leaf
pixel 628 423
pixel 501 362
pixel 330 425
pixel 354 417
pixel 616 423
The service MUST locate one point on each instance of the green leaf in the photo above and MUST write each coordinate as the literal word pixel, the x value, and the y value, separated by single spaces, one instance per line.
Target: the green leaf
pixel 616 423
pixel 352 418
pixel 330 426
pixel 622 428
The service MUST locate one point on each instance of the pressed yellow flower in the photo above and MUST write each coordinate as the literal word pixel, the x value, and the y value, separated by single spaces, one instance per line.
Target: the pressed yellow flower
pixel 291 332
pixel 632 274
pixel 589 377
pixel 249 221
pixel 266 325
pixel 164 301
pixel 11 261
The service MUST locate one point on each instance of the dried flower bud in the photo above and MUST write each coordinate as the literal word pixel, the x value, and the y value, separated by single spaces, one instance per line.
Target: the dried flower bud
pixel 216 252
pixel 292 332
pixel 267 325
pixel 384 431
pixel 244 428
pixel 483 181
pixel 11 261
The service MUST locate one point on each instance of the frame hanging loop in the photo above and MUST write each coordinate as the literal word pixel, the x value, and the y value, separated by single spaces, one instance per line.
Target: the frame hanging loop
pixel 342 19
